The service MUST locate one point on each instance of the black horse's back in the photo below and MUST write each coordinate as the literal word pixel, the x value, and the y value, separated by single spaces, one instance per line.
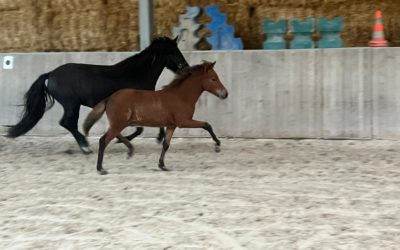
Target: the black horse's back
pixel 36 100
pixel 74 84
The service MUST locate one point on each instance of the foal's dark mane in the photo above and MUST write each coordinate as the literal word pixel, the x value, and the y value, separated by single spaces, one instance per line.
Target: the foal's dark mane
pixel 185 73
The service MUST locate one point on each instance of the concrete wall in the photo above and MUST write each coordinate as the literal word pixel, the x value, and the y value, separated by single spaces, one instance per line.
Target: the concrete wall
pixel 331 93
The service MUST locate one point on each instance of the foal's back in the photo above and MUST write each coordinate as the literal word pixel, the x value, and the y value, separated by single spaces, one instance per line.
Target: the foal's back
pixel 131 107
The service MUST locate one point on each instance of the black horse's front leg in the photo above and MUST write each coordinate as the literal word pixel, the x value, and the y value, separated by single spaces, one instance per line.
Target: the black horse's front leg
pixel 161 135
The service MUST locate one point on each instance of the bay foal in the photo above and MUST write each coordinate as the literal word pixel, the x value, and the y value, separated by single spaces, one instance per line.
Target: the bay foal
pixel 171 107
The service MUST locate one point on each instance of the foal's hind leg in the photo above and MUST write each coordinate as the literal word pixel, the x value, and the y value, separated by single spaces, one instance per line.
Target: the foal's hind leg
pixel 166 143
pixel 127 144
pixel 103 142
pixel 70 122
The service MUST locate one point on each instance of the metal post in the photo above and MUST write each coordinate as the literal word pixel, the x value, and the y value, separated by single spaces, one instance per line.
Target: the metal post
pixel 145 22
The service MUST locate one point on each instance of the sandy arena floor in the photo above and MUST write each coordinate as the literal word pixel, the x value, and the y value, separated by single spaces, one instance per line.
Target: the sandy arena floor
pixel 255 194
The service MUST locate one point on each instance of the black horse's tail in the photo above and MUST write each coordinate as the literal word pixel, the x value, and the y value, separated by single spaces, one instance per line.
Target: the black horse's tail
pixel 36 100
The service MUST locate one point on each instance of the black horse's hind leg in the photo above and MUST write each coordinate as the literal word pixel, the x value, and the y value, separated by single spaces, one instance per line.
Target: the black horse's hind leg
pixel 70 122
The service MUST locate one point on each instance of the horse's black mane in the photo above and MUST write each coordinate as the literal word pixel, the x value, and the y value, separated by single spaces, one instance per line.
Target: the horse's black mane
pixel 185 73
pixel 160 41
pixel 157 45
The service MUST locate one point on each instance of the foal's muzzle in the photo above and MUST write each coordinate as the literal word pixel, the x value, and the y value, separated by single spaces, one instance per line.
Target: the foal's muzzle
pixel 222 94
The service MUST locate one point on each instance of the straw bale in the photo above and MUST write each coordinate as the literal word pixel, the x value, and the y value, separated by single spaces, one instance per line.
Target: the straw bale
pixel 20 28
pixel 79 31
pixel 122 25
pixel 77 5
pixel 113 25
pixel 9 5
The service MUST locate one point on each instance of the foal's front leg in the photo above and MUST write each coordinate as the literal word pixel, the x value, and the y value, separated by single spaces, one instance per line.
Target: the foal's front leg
pixel 127 144
pixel 139 131
pixel 203 125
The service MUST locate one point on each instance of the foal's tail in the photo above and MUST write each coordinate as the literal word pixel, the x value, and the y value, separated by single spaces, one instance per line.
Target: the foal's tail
pixel 36 100
pixel 94 116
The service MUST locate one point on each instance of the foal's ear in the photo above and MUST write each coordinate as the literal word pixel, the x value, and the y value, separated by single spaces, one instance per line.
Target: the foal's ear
pixel 210 66
pixel 176 39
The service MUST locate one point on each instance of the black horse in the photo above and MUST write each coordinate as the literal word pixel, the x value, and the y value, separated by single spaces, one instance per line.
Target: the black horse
pixel 73 85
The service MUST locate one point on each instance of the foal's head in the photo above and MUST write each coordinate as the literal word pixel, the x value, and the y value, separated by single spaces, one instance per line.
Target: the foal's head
pixel 168 48
pixel 210 81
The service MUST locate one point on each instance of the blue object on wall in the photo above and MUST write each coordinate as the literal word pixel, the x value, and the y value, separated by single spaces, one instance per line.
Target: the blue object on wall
pixel 275 32
pixel 187 29
pixel 222 34
pixel 330 32
pixel 302 33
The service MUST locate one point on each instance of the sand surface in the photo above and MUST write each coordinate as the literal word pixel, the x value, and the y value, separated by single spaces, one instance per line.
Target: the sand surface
pixel 254 194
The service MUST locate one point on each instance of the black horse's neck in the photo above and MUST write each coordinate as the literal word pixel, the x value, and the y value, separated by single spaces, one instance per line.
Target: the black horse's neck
pixel 145 67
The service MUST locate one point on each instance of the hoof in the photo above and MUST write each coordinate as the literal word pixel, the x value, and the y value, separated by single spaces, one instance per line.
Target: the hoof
pixel 102 172
pixel 159 140
pixel 86 150
pixel 217 148
pixel 130 153
pixel 162 167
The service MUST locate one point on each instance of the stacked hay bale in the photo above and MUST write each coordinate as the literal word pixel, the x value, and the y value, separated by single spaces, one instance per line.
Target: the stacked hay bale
pixel 75 25
pixel 112 25
pixel 122 28
pixel 69 25
pixel 18 30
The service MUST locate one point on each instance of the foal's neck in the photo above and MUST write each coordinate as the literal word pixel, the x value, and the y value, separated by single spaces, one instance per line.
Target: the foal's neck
pixel 190 90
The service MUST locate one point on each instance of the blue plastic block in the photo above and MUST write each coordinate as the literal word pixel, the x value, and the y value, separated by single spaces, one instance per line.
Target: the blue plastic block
pixel 187 29
pixel 222 34
pixel 302 33
pixel 275 32
pixel 330 32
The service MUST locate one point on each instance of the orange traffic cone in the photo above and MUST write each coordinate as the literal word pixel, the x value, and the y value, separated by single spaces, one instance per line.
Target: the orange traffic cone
pixel 378 37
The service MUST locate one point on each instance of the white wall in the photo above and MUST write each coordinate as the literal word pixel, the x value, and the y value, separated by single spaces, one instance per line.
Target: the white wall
pixel 330 93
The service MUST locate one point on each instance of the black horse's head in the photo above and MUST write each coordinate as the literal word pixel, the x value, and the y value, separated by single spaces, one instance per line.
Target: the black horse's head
pixel 168 48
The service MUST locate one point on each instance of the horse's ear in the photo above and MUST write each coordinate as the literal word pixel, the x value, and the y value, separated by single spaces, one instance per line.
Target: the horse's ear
pixel 212 65
pixel 176 39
